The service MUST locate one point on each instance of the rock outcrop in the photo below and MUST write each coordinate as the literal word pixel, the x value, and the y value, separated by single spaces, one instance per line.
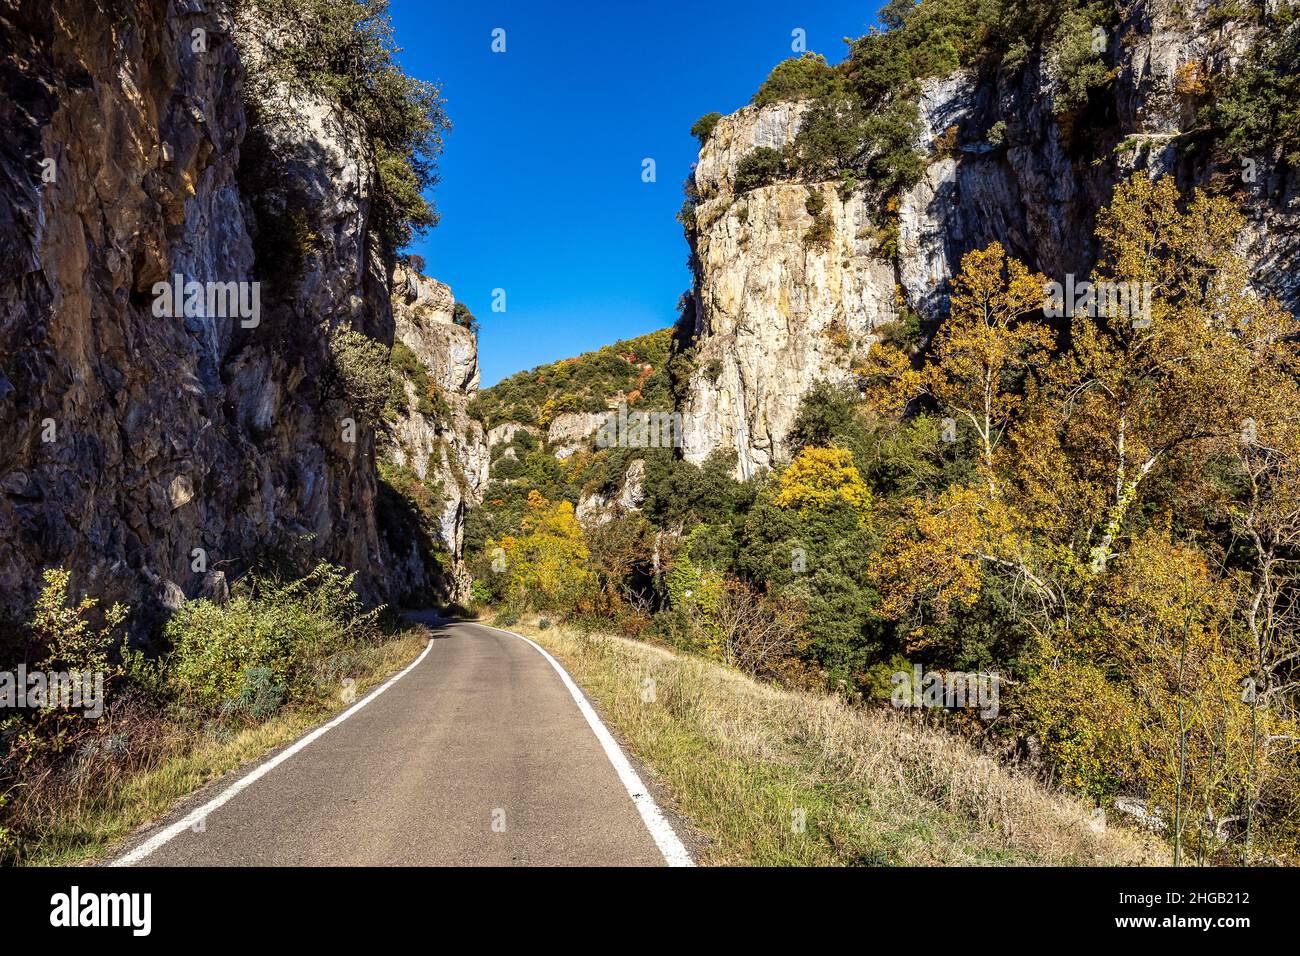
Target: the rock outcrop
pixel 777 308
pixel 159 452
pixel 441 444
pixel 780 304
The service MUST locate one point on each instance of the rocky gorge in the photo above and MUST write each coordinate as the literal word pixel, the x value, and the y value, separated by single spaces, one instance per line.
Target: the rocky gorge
pixel 162 456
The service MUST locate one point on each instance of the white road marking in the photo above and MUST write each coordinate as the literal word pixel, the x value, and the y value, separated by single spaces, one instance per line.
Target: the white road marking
pixel 674 852
pixel 195 816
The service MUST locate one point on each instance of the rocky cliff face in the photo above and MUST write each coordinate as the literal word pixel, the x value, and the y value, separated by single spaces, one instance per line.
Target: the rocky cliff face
pixel 159 451
pixel 777 307
pixel 780 304
pixel 446 448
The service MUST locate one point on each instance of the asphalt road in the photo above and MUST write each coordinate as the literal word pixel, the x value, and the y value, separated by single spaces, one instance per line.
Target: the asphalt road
pixel 478 755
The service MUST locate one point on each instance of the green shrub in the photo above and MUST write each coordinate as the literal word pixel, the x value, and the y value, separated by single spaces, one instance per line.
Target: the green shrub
pixel 62 633
pixel 759 167
pixel 819 233
pixel 406 366
pixel 257 699
pixel 60 636
pixel 895 13
pixel 360 372
pixel 704 126
pixel 463 317
pixel 803 77
pixel 1076 66
pixel 288 630
pixel 1257 110
pixel 832 137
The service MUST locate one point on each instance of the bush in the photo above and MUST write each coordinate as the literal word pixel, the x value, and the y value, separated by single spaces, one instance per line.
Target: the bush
pixel 704 126
pixel 289 631
pixel 59 637
pixel 819 233
pixel 1258 108
pixel 257 699
pixel 360 372
pixel 832 137
pixel 463 317
pixel 1073 63
pixel 804 77
pixel 760 167
pixel 406 366
pixel 62 631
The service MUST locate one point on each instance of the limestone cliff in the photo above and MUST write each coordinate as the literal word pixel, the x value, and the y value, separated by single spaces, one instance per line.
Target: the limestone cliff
pixel 793 279
pixel 159 452
pixel 776 308
pixel 434 435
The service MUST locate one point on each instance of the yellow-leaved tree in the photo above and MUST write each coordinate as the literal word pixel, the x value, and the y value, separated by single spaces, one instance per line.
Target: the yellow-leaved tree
pixel 1155 392
pixel 547 564
pixel 820 477
pixel 993 336
pixel 942 545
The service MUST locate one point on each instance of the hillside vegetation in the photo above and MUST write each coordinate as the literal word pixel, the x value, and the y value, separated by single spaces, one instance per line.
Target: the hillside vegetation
pixel 864 119
pixel 1098 511
pixel 242 676
pixel 636 368
pixel 775 777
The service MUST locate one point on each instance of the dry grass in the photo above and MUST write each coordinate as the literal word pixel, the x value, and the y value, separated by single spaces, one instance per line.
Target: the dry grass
pixel 77 816
pixel 875 787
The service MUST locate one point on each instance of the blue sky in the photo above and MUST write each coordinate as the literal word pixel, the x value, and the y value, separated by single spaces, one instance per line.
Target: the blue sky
pixel 542 193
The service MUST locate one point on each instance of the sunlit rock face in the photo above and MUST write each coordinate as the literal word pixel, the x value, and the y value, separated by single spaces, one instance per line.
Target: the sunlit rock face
pixel 447 448
pixel 774 312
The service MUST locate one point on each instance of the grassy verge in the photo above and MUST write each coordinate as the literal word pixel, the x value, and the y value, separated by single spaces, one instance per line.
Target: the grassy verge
pixel 748 761
pixel 185 759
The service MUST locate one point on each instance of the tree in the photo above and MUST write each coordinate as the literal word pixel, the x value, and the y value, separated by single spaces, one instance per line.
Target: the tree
pixel 1074 62
pixel 803 77
pixel 1149 395
pixel 345 50
pixel 895 13
pixel 360 372
pixel 828 414
pixel 463 317
pixel 759 167
pixel 758 633
pixel 984 350
pixel 1180 653
pixel 620 549
pixel 547 563
pixel 819 477
pixel 704 126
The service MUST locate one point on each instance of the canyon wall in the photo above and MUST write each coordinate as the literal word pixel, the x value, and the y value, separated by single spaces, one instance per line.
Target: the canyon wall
pixel 161 453
pixel 435 438
pixel 780 305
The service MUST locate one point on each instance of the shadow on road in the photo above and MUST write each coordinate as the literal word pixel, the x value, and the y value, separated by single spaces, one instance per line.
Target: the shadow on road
pixel 438 623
